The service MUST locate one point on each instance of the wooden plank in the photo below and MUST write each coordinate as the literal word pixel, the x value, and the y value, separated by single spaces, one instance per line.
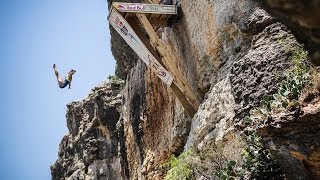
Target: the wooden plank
pixel 145 8
pixel 126 15
pixel 142 35
pixel 182 82
pixel 131 38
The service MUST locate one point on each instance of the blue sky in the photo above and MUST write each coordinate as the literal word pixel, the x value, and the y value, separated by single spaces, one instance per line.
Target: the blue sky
pixel 35 34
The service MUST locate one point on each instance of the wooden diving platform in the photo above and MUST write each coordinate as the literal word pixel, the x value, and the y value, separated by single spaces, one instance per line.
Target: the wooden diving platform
pixel 157 14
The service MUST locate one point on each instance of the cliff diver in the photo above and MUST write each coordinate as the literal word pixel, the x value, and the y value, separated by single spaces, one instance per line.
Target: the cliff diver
pixel 67 81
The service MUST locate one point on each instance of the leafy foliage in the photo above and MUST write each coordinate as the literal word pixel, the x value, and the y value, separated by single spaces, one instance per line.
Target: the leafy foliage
pixel 178 167
pixel 286 98
pixel 293 85
pixel 194 165
pixel 257 162
pixel 229 172
pixel 257 159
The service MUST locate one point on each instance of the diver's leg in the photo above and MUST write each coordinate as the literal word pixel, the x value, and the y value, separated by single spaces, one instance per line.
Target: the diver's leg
pixel 59 78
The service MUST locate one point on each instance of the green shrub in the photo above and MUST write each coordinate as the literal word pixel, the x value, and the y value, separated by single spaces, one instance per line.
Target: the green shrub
pixel 178 167
pixel 287 96
pixel 258 160
pixel 229 172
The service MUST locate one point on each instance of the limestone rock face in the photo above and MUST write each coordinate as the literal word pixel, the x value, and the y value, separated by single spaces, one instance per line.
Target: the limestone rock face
pixel 90 150
pixel 232 53
pixel 145 121
pixel 256 74
pixel 295 142
pixel 302 17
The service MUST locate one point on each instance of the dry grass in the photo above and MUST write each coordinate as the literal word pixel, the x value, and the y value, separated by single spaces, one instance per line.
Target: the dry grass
pixel 315 79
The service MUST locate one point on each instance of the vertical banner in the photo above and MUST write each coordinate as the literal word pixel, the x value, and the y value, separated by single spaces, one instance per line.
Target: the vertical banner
pixel 127 33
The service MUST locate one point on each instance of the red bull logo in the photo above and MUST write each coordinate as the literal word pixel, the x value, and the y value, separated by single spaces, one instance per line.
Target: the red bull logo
pixel 120 6
pixel 130 7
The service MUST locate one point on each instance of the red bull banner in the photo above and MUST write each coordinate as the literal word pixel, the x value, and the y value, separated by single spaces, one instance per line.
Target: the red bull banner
pixel 145 8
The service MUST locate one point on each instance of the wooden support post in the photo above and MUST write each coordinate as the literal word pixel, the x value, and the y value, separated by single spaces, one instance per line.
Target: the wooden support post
pixel 168 61
pixel 183 100
pixel 160 17
pixel 176 90
pixel 151 1
pixel 126 15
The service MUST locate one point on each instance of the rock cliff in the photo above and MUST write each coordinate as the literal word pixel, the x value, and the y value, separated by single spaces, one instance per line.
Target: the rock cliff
pixel 252 65
pixel 90 150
